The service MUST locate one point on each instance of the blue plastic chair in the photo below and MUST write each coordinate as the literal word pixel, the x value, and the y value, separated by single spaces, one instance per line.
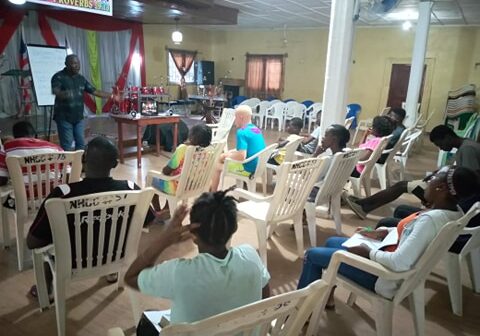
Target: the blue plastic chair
pixel 270 98
pixel 353 110
pixel 288 100
pixel 237 100
pixel 307 103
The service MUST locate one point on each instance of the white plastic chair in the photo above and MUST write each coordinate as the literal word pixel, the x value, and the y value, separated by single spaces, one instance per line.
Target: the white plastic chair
pixel 281 315
pixel 349 122
pixel 412 286
pixel 339 168
pixel 402 156
pixel 470 253
pixel 366 175
pixel 33 178
pixel 363 126
pixel 382 168
pixel 221 130
pixel 289 149
pixel 285 204
pixel 108 214
pixel 259 173
pixel 195 178
pixel 293 110
pixel 276 112
pixel 260 112
pixel 311 113
pixel 252 102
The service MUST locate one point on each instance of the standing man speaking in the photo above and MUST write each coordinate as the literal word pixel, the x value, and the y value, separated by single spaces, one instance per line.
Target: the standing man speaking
pixel 68 87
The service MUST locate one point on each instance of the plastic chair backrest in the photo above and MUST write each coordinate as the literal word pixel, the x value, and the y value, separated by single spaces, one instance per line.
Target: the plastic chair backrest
pixel 353 110
pixel 408 142
pixel 313 109
pixel 197 170
pixel 398 145
pixel 294 110
pixel 238 99
pixel 434 252
pixel 262 158
pixel 307 103
pixel 105 229
pixel 278 110
pixel 283 314
pixel 339 170
pixel 290 149
pixel 289 197
pixel 349 122
pixel 35 176
pixel 370 162
pixel 262 107
pixel 227 118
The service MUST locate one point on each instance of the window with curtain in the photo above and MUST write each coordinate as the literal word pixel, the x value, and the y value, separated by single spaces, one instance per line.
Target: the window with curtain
pixel 181 63
pixel 264 75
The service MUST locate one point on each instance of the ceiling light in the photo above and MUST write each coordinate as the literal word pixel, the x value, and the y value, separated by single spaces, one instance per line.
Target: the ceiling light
pixel 406 25
pixel 18 2
pixel 177 36
pixel 407 14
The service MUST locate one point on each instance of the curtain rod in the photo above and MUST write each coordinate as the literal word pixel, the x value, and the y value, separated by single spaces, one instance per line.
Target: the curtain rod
pixel 167 48
pixel 284 55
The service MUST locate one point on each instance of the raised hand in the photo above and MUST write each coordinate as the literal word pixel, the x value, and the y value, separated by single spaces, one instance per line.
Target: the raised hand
pixel 175 231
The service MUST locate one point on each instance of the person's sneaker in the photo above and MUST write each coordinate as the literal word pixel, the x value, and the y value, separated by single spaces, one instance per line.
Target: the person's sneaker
pixel 356 208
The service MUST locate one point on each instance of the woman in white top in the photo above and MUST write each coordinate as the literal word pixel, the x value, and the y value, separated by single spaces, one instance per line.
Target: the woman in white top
pixel 443 189
pixel 217 279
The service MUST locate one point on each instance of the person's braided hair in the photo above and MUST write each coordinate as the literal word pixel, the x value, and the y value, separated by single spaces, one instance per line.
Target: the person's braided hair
pixel 217 215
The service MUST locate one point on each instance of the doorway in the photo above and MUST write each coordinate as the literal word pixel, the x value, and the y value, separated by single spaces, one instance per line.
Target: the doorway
pixel 399 77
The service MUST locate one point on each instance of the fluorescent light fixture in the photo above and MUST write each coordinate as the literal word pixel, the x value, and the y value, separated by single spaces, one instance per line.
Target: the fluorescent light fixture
pixel 402 15
pixel 18 2
pixel 406 25
pixel 69 51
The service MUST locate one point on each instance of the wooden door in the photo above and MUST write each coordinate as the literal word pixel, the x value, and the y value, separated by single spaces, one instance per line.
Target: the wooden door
pixel 399 77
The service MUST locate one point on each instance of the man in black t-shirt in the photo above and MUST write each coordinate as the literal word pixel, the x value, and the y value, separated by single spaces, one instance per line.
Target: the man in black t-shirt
pixel 100 157
pixel 69 86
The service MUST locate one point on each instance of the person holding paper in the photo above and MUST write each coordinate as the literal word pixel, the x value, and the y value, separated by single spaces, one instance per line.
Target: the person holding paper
pixel 68 86
pixel 443 190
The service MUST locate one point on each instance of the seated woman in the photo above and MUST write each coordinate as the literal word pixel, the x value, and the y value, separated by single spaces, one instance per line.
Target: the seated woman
pixel 218 279
pixel 443 190
pixel 199 135
pixel 381 126
pixel 465 203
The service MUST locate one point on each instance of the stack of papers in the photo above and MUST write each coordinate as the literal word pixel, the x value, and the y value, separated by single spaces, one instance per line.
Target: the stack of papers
pixel 357 239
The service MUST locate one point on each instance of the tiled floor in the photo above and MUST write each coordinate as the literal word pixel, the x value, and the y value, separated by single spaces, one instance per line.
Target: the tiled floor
pixel 94 306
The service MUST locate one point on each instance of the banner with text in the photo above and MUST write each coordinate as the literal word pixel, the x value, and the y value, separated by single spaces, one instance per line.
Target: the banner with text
pixel 103 7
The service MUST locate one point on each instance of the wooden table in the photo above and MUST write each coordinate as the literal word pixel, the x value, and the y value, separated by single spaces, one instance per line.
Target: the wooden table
pixel 121 119
pixel 208 106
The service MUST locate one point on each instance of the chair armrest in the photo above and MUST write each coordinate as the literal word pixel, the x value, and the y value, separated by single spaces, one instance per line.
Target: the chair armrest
pixel 45 249
pixel 239 192
pixel 244 161
pixel 470 230
pixel 212 125
pixel 363 264
pixel 160 175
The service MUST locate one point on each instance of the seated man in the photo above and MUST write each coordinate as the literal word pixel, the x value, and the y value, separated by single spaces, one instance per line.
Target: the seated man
pixel 218 279
pixel 294 126
pixel 310 143
pixel 100 157
pixel 396 115
pixel 249 142
pixel 23 143
pixel 468 156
